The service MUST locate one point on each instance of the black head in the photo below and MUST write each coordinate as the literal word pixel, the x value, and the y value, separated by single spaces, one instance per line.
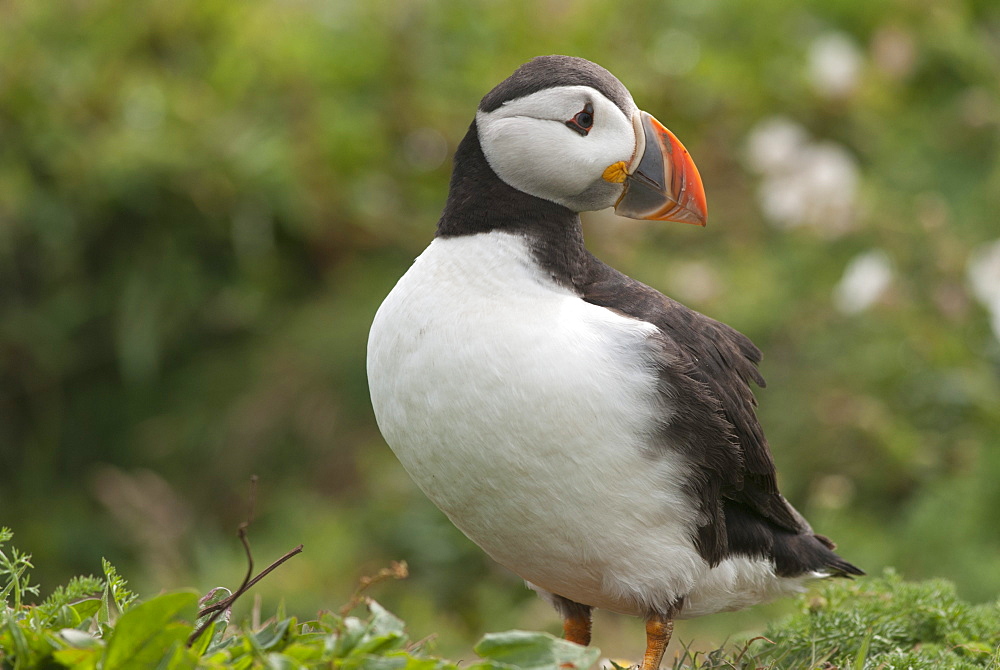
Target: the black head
pixel 562 135
pixel 551 71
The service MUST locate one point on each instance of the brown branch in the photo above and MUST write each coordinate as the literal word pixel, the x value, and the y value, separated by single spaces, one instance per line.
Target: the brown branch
pixel 218 608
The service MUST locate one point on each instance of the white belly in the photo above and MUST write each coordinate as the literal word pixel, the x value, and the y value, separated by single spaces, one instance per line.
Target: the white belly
pixel 525 414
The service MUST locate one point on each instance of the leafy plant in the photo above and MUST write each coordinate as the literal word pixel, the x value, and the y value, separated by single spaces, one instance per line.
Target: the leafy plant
pixel 74 628
pixel 91 623
pixel 13 569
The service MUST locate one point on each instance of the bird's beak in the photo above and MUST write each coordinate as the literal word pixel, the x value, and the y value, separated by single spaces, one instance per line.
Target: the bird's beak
pixel 661 181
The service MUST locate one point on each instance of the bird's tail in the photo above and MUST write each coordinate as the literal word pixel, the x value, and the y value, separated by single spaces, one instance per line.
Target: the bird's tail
pixel 835 565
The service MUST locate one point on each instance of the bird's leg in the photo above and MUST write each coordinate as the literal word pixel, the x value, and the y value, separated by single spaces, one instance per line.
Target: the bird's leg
pixel 576 618
pixel 576 626
pixel 658 631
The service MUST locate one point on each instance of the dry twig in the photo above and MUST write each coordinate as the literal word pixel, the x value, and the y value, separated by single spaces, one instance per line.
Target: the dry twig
pixel 218 608
pixel 396 570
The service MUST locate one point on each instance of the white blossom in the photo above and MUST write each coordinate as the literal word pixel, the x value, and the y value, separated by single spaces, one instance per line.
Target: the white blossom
pixel 834 65
pixel 805 183
pixel 983 272
pixel 866 279
pixel 774 143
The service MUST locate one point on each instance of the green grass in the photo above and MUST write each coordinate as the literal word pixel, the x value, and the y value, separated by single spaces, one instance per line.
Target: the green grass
pixel 885 622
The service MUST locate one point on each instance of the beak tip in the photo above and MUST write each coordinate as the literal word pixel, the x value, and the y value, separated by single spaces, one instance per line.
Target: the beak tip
pixel 665 184
pixel 697 217
pixel 701 213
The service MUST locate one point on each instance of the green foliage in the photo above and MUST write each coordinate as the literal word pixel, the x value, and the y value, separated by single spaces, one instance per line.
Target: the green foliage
pixel 116 597
pixel 886 623
pixel 13 571
pixel 71 629
pixel 876 623
pixel 873 623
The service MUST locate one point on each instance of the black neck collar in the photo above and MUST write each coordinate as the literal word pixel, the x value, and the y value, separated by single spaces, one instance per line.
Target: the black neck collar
pixel 480 202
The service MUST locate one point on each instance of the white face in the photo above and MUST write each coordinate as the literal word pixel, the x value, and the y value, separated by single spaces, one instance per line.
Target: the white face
pixel 528 144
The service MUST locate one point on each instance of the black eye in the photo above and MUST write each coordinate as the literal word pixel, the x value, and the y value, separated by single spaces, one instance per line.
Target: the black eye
pixel 583 121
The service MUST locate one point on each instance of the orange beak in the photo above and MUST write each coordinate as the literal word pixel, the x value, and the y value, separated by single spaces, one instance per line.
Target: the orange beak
pixel 662 183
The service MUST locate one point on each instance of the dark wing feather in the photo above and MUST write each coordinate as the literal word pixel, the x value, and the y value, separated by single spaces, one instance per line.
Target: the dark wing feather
pixel 706 369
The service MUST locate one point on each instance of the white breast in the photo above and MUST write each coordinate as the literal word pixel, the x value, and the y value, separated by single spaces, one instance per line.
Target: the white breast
pixel 525 414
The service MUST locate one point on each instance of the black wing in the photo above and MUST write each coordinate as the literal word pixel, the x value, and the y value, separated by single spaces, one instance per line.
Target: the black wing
pixel 705 370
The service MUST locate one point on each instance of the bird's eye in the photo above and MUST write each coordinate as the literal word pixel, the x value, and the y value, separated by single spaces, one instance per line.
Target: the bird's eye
pixel 583 121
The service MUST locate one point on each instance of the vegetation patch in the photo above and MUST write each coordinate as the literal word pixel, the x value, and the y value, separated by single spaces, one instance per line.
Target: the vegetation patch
pixel 886 623
pixel 98 623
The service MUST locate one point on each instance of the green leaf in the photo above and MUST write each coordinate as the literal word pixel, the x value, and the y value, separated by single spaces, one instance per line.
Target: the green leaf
pixel 539 651
pixel 67 616
pixel 208 638
pixel 181 658
pixel 116 598
pixel 413 663
pixel 145 633
pixel 212 637
pixel 276 661
pixel 365 662
pixel 859 660
pixel 273 634
pixel 379 644
pixel 213 597
pixel 20 642
pixel 301 651
pixel 352 632
pixel 383 621
pixel 85 609
pixel 78 659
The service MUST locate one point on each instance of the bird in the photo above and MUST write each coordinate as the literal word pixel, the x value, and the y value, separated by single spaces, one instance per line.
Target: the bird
pixel 593 436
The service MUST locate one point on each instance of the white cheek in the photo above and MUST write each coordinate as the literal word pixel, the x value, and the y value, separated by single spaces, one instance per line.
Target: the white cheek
pixel 535 156
pixel 547 159
pixel 607 145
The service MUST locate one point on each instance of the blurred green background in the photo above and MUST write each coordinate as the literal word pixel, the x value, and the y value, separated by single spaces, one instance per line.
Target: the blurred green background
pixel 203 202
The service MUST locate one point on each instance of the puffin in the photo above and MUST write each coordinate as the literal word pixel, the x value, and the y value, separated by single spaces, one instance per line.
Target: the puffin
pixel 591 435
